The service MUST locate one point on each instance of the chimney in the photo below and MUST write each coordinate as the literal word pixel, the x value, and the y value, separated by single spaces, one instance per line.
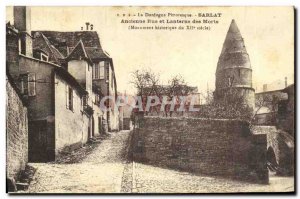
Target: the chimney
pixel 92 26
pixel 22 18
pixel 22 22
pixel 285 79
pixel 265 87
pixel 87 25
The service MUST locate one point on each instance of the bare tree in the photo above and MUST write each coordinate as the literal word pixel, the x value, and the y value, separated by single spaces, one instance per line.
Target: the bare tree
pixel 148 83
pixel 176 88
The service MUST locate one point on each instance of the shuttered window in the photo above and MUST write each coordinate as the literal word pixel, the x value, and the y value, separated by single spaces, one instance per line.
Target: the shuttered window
pixel 112 81
pixel 97 99
pixel 107 72
pixel 69 98
pixel 85 99
pixel 98 70
pixel 28 84
pixel 101 70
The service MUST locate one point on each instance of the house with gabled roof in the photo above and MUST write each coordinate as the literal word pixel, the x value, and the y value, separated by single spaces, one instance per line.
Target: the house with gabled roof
pixel 57 81
pixel 103 72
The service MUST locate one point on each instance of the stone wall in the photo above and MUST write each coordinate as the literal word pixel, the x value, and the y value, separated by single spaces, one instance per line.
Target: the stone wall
pixel 16 131
pixel 281 144
pixel 213 147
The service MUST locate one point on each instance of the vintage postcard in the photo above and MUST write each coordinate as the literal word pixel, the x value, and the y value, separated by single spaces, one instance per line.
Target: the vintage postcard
pixel 110 100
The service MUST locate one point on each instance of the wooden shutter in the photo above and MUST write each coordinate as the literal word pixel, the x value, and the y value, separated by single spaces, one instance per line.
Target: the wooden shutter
pixel 31 84
pixel 101 70
pixel 22 85
pixel 67 96
pixel 81 103
pixel 72 100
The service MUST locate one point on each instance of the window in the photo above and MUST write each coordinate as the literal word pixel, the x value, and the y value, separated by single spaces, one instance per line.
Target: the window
pixel 97 99
pixel 85 101
pixel 44 57
pixel 69 97
pixel 28 84
pixel 22 46
pixel 112 81
pixel 107 73
pixel 102 71
pixel 98 72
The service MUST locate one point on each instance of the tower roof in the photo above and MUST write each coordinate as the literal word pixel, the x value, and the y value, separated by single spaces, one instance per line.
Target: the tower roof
pixel 234 53
pixel 234 41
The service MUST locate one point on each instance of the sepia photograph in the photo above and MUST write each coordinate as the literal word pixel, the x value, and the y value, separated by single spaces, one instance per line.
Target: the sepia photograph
pixel 150 99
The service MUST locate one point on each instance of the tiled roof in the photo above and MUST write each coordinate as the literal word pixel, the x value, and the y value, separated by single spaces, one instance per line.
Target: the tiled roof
pixel 70 79
pixel 65 42
pixel 42 43
pixel 79 52
pixel 94 53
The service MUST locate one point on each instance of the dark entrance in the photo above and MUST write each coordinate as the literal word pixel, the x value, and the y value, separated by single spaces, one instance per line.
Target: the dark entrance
pixel 40 142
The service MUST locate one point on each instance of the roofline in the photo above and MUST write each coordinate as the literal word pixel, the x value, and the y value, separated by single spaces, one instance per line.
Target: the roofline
pixel 115 81
pixel 68 77
pixel 88 59
pixel 11 28
pixel 279 90
pixel 15 87
pixel 288 87
pixel 38 49
pixel 250 88
pixel 35 59
pixel 58 68
pixel 45 38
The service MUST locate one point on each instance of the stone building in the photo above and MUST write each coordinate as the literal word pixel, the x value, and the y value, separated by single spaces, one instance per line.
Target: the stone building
pixel 234 72
pixel 58 46
pixel 267 104
pixel 286 111
pixel 63 100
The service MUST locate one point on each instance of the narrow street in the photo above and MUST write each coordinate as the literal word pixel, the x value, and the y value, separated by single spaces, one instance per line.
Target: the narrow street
pixel 108 170
pixel 100 172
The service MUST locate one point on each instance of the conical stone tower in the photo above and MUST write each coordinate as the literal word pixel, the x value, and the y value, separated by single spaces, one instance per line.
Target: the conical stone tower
pixel 234 73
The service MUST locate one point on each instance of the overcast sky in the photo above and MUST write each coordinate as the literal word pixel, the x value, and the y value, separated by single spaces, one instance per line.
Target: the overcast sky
pixel 268 33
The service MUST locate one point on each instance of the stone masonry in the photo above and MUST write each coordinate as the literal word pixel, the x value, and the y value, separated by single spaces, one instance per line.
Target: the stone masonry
pixel 212 147
pixel 17 131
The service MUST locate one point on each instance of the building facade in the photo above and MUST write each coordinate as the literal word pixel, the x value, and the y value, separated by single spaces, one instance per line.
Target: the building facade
pixel 103 73
pixel 58 80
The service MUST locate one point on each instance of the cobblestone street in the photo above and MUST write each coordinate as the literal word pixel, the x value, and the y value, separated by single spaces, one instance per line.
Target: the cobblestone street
pixel 109 170
pixel 100 172
pixel 149 179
